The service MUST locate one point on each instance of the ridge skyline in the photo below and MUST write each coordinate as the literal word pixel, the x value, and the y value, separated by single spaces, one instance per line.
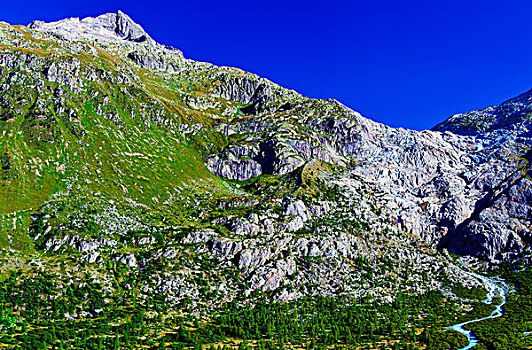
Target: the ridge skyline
pixel 418 93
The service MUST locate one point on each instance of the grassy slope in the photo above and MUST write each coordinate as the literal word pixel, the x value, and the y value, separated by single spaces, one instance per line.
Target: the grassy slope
pixel 111 140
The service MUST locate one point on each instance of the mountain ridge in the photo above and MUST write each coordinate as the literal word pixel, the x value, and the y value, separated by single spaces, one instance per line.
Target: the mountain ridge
pixel 101 27
pixel 179 185
pixel 258 97
pixel 516 110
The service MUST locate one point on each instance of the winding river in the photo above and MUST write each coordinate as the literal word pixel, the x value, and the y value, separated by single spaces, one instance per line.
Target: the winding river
pixel 495 289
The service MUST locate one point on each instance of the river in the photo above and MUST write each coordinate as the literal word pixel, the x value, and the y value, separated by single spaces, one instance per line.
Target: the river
pixel 495 289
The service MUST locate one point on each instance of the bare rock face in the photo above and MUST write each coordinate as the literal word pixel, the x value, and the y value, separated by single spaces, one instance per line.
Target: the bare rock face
pixel 148 61
pixel 499 229
pixel 454 187
pixel 235 164
pixel 109 27
pixel 113 29
pixel 127 29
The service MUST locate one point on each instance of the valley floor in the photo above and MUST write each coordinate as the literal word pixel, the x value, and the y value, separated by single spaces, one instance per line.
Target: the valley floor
pixel 38 313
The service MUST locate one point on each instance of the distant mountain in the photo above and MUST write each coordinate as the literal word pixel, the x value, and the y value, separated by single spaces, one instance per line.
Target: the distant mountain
pixel 513 114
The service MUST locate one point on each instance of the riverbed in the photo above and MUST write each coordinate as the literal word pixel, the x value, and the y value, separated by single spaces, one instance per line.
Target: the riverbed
pixel 496 289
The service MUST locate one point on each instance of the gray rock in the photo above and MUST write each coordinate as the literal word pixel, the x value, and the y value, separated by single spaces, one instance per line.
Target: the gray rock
pixel 149 61
pixel 109 26
pixel 128 260
pixel 252 258
pixel 225 248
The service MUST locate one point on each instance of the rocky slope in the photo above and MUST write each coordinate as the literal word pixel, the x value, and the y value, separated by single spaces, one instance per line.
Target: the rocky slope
pixel 467 193
pixel 203 184
pixel 498 227
pixel 513 114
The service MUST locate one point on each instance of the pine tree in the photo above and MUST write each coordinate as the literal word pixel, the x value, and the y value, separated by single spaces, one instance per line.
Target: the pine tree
pixel 116 344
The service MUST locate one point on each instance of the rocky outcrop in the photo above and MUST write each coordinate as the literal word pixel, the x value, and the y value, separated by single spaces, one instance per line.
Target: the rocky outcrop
pixel 310 247
pixel 125 27
pixel 256 94
pixel 109 27
pixel 437 182
pixel 236 163
pixel 65 73
pixel 148 61
pixel 237 88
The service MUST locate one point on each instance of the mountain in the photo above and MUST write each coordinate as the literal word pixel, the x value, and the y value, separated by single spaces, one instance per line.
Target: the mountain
pixel 152 199
pixel 499 224
pixel 513 114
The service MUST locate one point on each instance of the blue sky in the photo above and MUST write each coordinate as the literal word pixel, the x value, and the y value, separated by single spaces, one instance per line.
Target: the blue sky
pixel 403 63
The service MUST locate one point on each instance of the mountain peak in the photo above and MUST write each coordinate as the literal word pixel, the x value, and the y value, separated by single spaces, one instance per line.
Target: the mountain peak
pixel 108 27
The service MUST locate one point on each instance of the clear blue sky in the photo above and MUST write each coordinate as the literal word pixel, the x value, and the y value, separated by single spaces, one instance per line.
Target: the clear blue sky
pixel 403 63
